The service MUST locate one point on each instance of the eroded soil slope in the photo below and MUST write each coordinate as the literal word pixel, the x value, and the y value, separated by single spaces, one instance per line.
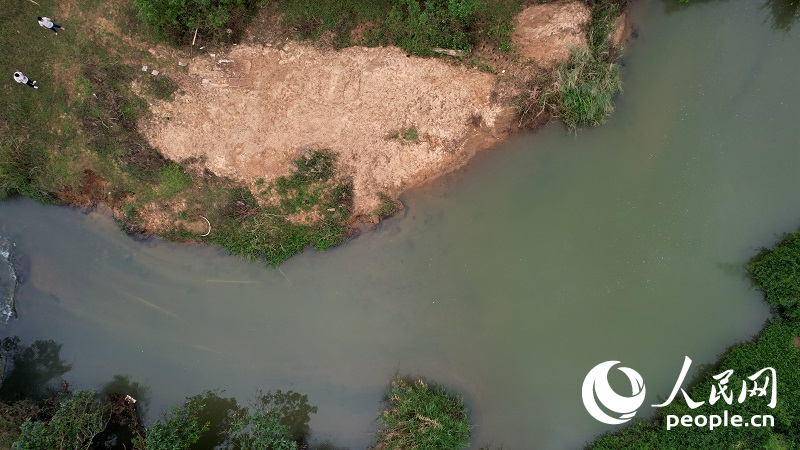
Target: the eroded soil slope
pixel 249 114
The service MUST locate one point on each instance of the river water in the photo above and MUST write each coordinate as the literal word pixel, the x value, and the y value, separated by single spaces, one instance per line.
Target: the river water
pixel 506 282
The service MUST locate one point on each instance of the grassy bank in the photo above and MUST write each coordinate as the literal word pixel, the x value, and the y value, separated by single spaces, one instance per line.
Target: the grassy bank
pixel 775 272
pixel 75 140
pixel 422 416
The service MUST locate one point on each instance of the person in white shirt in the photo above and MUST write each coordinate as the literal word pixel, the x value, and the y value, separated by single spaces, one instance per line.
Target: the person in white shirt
pixel 48 23
pixel 20 78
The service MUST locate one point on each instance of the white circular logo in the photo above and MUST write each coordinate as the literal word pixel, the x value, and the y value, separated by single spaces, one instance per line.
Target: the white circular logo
pixel 596 385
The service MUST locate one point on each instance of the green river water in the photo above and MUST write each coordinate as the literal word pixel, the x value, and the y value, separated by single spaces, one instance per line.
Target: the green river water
pixel 506 282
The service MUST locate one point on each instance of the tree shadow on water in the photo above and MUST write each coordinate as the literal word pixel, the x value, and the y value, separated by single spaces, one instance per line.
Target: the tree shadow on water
pixel 219 413
pixel 30 370
pixel 671 6
pixel 784 13
pixel 293 409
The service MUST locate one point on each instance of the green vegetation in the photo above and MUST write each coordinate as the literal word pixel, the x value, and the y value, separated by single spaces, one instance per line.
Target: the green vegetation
pixel 587 87
pixel 178 430
pixel 216 21
pixel 388 207
pixel 76 140
pixel 173 180
pixel 418 27
pixel 35 414
pixel 580 91
pixel 307 208
pixel 422 416
pixel 777 273
pixel 415 26
pixel 588 82
pixel 78 418
pixel 409 134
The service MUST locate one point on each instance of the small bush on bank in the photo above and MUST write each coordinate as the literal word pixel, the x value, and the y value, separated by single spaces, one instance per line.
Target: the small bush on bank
pixel 777 273
pixel 586 86
pixel 424 417
pixel 581 90
pixel 216 20
pixel 418 27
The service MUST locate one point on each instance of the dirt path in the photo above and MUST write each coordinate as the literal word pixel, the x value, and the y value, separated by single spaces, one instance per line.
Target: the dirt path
pixel 247 114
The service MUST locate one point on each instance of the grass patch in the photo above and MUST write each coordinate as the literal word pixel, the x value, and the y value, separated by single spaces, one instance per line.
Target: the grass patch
pixel 580 91
pixel 415 26
pixel 173 180
pixel 309 19
pixel 587 85
pixel 409 134
pixel 422 416
pixel 310 207
pixel 110 115
pixel 388 207
pixel 160 87
pixel 418 27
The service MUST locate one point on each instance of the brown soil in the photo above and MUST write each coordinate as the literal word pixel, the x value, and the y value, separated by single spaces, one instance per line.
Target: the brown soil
pixel 547 33
pixel 249 118
pixel 248 113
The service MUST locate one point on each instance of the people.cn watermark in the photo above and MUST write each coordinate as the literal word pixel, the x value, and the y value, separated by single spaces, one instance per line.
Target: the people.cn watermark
pixel 596 389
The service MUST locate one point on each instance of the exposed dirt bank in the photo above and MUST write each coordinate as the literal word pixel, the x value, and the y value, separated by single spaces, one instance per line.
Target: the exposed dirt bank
pixel 248 113
pixel 254 112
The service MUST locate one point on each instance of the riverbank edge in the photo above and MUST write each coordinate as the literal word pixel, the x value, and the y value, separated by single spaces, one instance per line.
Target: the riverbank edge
pixel 324 218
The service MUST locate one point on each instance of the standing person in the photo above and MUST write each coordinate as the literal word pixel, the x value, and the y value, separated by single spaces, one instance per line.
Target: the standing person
pixel 47 23
pixel 20 78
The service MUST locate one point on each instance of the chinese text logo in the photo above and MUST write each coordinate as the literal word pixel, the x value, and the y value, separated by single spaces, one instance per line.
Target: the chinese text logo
pixel 596 389
pixel 596 384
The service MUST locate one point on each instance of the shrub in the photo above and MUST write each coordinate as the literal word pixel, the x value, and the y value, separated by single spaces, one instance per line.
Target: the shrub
pixel 78 419
pixel 177 20
pixel 417 27
pixel 586 85
pixel 424 417
pixel 179 430
pixel 777 273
